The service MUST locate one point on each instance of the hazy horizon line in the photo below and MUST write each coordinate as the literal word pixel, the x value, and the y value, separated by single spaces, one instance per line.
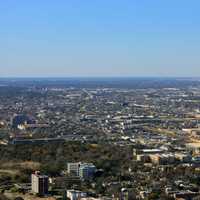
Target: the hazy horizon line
pixel 69 77
pixel 92 78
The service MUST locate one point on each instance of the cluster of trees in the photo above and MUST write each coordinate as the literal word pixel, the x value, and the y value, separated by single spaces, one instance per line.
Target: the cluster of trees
pixel 55 156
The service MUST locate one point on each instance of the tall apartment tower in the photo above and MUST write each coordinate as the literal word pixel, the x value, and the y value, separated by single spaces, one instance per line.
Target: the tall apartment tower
pixel 39 183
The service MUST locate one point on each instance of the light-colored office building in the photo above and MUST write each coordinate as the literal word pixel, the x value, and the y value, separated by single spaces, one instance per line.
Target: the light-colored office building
pixel 84 170
pixel 73 168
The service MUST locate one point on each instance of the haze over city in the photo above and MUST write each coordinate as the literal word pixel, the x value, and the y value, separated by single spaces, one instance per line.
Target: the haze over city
pixel 99 38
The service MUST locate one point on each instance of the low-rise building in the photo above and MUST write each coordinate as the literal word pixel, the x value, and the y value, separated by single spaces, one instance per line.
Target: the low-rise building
pixel 76 194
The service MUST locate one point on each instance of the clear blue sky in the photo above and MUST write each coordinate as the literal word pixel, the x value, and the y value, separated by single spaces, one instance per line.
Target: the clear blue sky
pixel 99 38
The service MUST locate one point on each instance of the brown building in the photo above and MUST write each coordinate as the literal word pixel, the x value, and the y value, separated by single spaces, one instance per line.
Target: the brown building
pixel 39 183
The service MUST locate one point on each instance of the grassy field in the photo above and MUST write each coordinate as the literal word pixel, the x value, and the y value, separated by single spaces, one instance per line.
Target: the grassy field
pixel 20 165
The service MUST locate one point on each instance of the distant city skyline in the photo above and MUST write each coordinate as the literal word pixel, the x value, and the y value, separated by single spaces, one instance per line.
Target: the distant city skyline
pixel 128 38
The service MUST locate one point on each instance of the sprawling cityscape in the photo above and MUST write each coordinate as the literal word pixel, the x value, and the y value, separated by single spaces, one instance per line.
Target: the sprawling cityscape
pixel 88 139
pixel 99 100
